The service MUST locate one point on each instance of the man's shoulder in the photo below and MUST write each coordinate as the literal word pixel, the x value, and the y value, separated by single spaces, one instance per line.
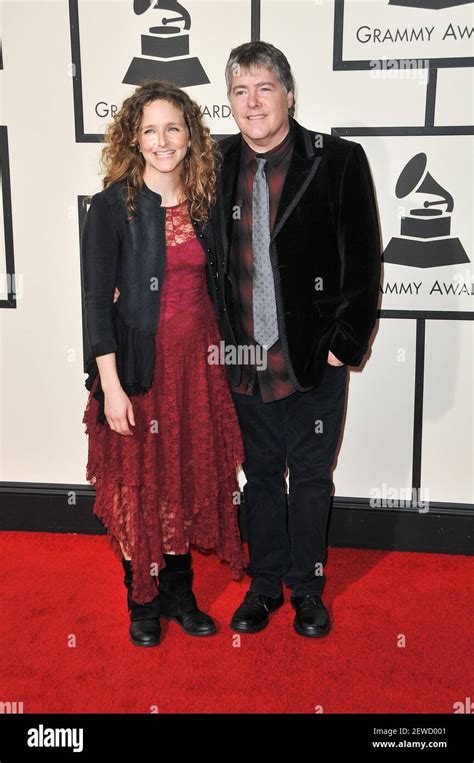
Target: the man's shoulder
pixel 340 147
pixel 326 141
pixel 227 143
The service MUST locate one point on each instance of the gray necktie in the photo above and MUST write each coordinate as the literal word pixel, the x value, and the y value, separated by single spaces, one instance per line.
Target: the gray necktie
pixel 265 322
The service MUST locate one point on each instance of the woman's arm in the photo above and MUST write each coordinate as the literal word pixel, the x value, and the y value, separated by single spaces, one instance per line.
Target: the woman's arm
pixel 100 251
pixel 118 409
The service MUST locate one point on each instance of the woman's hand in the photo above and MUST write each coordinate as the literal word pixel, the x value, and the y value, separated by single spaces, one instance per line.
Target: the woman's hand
pixel 118 408
pixel 119 411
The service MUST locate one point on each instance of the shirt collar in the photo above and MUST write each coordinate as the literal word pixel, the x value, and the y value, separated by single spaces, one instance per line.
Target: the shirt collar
pixel 275 155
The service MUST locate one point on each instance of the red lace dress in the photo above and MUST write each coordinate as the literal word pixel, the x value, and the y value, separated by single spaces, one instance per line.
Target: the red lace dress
pixel 174 482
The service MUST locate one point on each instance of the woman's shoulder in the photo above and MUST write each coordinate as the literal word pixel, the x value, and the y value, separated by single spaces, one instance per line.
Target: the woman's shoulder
pixel 106 208
pixel 110 201
pixel 113 193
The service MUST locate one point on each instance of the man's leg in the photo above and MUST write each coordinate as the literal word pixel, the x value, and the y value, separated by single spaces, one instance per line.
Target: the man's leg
pixel 263 433
pixel 314 421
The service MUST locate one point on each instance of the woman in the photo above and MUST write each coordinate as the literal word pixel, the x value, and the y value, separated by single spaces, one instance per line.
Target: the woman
pixel 164 440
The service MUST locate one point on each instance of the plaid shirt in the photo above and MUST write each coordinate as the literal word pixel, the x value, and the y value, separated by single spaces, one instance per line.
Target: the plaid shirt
pixel 275 382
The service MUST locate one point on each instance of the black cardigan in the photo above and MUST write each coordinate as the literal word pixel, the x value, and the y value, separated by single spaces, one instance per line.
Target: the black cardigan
pixel 132 256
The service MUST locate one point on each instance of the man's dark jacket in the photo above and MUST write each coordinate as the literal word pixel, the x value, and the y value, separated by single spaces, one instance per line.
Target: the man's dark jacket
pixel 325 252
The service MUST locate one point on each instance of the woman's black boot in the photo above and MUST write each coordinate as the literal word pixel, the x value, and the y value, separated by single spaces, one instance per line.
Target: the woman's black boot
pixel 145 629
pixel 178 601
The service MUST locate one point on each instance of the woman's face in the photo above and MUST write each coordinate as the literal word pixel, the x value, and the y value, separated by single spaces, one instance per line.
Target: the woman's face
pixel 163 137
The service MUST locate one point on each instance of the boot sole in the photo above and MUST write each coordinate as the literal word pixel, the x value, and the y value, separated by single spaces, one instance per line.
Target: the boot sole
pixel 154 642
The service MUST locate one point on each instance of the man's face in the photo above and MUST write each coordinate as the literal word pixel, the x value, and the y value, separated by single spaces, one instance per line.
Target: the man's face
pixel 259 105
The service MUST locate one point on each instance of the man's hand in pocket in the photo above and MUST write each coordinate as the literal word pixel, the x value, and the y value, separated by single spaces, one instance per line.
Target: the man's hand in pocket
pixel 333 361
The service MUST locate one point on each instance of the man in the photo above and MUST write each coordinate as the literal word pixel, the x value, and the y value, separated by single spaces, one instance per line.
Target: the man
pixel 299 256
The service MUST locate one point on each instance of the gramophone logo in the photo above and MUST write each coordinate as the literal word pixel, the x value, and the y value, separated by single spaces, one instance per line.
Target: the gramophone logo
pixel 164 46
pixel 425 240
pixel 433 5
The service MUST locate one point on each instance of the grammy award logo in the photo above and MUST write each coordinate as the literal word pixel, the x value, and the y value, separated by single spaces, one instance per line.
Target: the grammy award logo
pixel 164 48
pixel 433 5
pixel 425 240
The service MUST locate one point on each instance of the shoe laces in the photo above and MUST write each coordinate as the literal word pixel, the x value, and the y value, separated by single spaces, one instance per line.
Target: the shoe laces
pixel 313 597
pixel 260 597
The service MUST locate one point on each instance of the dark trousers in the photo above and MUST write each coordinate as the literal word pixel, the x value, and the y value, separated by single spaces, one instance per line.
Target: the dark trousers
pixel 301 430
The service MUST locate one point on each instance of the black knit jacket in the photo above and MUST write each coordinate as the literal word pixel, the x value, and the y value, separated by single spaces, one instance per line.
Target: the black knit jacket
pixel 130 255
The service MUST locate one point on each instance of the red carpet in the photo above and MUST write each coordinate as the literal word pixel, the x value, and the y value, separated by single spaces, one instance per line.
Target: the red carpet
pixel 65 644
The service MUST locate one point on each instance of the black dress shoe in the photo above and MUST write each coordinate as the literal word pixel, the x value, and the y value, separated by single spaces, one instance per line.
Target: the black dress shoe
pixel 252 615
pixel 312 617
pixel 178 603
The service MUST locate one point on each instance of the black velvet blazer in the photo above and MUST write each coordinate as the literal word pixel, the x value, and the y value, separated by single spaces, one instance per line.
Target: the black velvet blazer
pixel 325 250
pixel 131 256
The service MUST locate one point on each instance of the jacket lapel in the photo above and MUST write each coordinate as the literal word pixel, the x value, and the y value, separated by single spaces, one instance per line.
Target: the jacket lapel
pixel 226 189
pixel 304 164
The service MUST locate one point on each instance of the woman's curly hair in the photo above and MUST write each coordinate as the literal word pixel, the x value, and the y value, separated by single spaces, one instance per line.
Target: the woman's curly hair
pixel 121 157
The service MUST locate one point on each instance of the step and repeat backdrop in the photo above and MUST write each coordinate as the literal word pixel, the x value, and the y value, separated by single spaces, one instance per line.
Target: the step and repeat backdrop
pixel 394 75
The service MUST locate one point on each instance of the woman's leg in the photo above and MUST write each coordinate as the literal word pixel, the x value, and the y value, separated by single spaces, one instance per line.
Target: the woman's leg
pixel 124 554
pixel 128 557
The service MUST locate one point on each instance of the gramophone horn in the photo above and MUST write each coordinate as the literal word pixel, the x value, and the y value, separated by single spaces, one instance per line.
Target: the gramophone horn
pixel 140 6
pixel 429 185
pixel 412 174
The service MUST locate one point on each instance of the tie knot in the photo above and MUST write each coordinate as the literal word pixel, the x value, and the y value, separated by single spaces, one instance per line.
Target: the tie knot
pixel 260 163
